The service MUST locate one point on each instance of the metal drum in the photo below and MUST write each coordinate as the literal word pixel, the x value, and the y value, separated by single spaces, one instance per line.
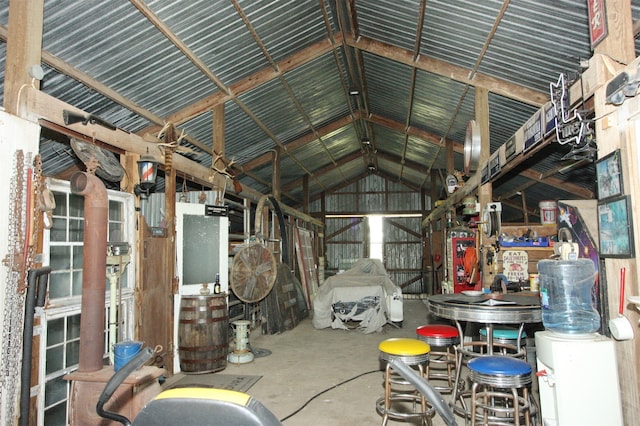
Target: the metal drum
pixel 203 335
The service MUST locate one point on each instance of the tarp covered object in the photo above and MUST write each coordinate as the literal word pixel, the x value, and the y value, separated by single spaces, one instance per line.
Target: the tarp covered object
pixel 363 293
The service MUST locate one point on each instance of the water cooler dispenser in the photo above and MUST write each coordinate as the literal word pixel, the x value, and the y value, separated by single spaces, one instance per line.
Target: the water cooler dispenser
pixel 577 371
pixel 577 380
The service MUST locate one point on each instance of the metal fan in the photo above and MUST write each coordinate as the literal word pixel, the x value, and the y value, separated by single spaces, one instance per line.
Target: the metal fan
pixel 102 161
pixel 253 273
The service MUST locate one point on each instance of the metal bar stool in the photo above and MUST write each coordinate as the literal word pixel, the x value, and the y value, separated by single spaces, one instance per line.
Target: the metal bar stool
pixel 468 351
pixel 414 353
pixel 442 364
pixel 500 390
pixel 508 341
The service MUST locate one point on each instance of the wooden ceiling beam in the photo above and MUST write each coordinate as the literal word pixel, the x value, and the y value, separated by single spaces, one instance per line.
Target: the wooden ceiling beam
pixel 420 168
pixel 551 181
pixel 300 142
pixel 326 169
pixel 66 69
pixel 392 178
pixel 444 69
pixel 36 105
pixel 413 131
pixel 251 82
pixel 337 124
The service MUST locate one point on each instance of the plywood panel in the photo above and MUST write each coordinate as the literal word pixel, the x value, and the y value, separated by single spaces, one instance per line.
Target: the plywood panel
pixel 154 303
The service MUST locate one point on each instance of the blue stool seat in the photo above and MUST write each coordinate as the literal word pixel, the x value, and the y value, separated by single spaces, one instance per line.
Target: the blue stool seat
pixel 499 365
pixel 500 393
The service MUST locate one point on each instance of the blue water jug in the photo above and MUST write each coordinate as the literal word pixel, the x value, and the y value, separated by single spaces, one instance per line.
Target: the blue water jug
pixel 566 296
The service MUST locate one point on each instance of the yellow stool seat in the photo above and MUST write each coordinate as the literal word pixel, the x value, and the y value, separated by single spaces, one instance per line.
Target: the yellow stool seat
pixel 413 353
pixel 404 347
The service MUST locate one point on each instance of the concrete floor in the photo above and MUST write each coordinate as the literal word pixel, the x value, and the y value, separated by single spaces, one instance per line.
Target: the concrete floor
pixel 305 361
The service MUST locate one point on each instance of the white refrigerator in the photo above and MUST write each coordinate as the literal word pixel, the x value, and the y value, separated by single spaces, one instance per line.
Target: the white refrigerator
pixel 578 380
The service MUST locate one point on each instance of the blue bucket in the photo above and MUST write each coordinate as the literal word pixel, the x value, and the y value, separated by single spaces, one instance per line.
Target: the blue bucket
pixel 123 352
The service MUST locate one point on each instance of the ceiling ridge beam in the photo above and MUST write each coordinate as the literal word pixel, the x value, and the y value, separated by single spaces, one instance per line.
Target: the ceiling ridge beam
pixel 445 69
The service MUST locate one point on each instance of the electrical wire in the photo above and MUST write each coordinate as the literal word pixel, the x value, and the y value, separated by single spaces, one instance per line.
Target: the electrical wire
pixel 325 391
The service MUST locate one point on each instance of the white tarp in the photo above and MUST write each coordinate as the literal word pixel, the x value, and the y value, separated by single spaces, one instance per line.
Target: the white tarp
pixel 363 293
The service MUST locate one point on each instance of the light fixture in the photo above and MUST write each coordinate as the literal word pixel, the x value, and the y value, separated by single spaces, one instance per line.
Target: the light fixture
pixel 354 91
pixel 147 171
pixel 36 71
pixel 371 167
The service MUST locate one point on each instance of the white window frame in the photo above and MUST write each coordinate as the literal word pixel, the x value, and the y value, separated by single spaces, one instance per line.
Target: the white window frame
pixel 69 306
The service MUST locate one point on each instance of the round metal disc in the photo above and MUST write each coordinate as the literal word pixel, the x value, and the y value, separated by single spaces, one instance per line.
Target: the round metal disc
pixel 109 167
pixel 471 147
pixel 253 273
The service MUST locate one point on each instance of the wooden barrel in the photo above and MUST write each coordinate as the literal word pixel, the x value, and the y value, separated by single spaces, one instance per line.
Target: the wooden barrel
pixel 203 333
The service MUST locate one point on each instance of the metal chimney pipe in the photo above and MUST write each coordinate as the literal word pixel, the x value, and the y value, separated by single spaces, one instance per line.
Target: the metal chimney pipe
pixel 94 269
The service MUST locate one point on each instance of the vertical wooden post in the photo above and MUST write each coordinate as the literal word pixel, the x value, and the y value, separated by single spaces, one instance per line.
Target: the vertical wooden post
pixel 617 132
pixel 219 181
pixel 485 192
pixel 305 194
pixel 275 178
pixel 170 215
pixel 24 47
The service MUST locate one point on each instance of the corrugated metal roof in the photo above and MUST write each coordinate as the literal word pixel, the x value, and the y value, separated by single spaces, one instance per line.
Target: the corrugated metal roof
pixel 287 84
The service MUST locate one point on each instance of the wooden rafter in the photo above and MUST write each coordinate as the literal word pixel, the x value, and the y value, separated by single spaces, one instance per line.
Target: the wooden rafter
pixel 461 74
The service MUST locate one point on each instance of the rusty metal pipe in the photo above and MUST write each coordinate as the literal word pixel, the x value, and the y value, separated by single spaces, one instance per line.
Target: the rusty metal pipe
pixel 94 269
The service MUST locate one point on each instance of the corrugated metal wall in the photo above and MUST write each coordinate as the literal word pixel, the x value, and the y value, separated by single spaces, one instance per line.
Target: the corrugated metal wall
pixel 346 247
pixel 346 237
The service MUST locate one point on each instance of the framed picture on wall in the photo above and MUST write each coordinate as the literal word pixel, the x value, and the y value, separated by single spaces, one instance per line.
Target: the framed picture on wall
pixel 615 227
pixel 609 175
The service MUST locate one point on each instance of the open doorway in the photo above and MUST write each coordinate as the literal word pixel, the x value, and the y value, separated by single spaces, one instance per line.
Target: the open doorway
pixel 376 237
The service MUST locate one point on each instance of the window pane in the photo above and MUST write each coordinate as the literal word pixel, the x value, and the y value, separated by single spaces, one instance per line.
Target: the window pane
pixel 59 284
pixel 55 331
pixel 124 278
pixel 115 210
pixel 73 353
pixel 59 258
pixel 76 230
pixel 115 232
pixel 59 229
pixel 55 391
pixel 61 204
pixel 77 257
pixel 76 205
pixel 56 416
pixel 77 283
pixel 73 327
pixel 55 359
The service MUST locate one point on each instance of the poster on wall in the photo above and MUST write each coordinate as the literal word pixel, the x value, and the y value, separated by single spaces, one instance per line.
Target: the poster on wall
pixel 597 22
pixel 515 265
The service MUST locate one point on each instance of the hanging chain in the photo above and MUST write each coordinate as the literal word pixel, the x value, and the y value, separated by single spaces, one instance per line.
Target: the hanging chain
pixel 13 309
pixel 36 212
